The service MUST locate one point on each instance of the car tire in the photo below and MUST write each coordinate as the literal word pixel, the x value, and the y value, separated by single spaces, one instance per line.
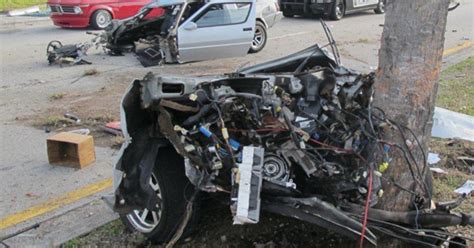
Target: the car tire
pixel 260 38
pixel 337 11
pixel 288 14
pixel 100 19
pixel 173 189
pixel 380 8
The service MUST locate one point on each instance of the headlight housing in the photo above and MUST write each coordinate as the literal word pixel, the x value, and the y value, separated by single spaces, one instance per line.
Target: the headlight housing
pixel 77 10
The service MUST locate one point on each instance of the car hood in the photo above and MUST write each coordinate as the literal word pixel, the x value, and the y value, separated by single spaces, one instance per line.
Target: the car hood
pixel 79 2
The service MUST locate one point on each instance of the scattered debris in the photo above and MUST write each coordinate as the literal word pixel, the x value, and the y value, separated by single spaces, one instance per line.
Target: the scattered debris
pixel 114 125
pixel 73 117
pixel 438 170
pixel 292 136
pixel 71 150
pixel 433 158
pixel 449 124
pixel 466 188
pixel 113 128
pixel 453 151
pixel 82 131
pixel 67 54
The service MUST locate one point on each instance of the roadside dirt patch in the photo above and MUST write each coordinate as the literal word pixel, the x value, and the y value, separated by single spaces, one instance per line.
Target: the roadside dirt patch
pixel 455 153
pixel 459 171
pixel 94 109
pixel 215 230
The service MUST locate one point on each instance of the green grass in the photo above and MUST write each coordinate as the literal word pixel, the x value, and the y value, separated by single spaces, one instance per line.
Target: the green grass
pixel 73 243
pixel 456 87
pixel 6 5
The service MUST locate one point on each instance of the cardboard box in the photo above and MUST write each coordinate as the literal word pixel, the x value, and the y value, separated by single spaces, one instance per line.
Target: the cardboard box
pixel 71 150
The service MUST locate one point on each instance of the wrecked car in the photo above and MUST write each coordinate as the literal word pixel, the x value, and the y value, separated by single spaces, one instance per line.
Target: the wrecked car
pixel 193 30
pixel 292 136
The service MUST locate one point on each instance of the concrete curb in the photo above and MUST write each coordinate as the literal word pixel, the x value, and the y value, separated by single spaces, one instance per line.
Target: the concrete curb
pixel 17 21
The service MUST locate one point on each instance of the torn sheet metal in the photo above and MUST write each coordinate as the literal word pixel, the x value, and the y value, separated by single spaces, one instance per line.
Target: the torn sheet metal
pixel 466 188
pixel 449 124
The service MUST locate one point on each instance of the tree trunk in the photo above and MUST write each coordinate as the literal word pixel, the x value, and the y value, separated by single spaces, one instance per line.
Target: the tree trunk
pixel 407 83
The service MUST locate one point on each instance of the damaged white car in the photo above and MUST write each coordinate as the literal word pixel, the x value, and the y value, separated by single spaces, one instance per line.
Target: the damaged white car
pixel 191 30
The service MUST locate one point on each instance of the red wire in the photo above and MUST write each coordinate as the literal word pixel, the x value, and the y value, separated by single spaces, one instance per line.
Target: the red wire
pixel 366 211
pixel 330 146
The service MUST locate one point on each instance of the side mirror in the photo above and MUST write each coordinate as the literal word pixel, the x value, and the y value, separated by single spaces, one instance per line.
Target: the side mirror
pixel 190 26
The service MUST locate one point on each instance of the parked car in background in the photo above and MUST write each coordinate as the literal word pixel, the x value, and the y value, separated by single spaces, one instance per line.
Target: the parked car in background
pixel 95 13
pixel 334 9
pixel 268 13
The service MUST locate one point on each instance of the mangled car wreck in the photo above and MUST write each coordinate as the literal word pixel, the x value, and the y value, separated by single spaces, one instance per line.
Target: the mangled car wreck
pixel 291 136
pixel 193 30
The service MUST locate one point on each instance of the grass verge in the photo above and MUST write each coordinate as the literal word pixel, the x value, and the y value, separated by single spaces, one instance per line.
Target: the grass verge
pixel 456 87
pixel 6 5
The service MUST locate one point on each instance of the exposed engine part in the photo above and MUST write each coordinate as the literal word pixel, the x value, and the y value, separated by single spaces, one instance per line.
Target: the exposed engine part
pixel 247 180
pixel 276 170
pixel 58 53
pixel 150 56
pixel 292 153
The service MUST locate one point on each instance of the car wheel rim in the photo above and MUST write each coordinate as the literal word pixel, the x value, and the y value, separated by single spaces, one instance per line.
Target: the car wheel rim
pixel 144 220
pixel 381 7
pixel 258 38
pixel 339 10
pixel 103 20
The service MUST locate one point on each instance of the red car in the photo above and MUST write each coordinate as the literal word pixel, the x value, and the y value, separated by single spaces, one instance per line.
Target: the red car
pixel 95 13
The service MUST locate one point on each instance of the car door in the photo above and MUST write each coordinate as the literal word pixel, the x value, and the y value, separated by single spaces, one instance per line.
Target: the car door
pixel 362 3
pixel 266 9
pixel 220 29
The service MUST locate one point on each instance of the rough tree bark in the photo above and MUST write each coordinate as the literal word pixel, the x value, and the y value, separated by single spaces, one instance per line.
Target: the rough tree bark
pixel 407 82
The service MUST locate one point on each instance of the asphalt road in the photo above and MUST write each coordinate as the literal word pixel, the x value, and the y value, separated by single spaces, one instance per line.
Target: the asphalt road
pixel 26 82
pixel 24 68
